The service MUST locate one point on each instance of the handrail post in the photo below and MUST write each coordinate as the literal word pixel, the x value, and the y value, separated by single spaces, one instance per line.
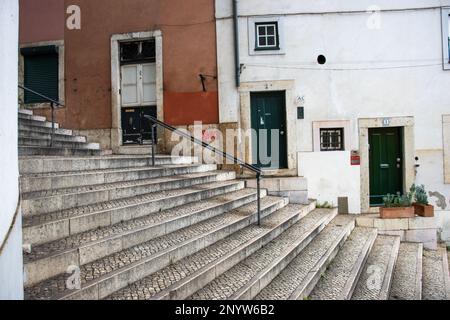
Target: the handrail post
pixel 258 187
pixel 153 142
pixel 53 123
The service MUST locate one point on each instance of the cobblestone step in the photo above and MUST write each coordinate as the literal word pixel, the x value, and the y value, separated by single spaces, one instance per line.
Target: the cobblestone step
pixel 31 165
pixel 45 130
pixel 40 202
pixel 246 279
pixel 376 279
pixel 299 278
pixel 57 143
pixel 59 180
pixel 407 281
pixel 25 151
pixel 110 274
pixel 436 280
pixel 340 278
pixel 95 244
pixel 46 136
pixel 60 224
pixel 178 281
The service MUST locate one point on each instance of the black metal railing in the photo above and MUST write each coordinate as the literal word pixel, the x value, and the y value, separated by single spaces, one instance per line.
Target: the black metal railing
pixel 53 104
pixel 155 123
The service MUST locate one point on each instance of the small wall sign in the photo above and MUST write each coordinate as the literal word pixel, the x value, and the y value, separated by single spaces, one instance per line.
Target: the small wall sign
pixel 355 159
pixel 386 122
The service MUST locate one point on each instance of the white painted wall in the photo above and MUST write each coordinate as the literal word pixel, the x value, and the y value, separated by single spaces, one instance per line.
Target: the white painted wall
pixel 392 71
pixel 11 265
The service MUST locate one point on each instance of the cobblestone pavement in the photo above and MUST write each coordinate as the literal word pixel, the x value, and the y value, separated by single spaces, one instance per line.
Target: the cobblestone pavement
pixel 383 253
pixel 78 240
pixel 161 280
pixel 120 203
pixel 331 286
pixel 92 271
pixel 284 285
pixel 407 269
pixel 237 277
pixel 434 284
pixel 117 185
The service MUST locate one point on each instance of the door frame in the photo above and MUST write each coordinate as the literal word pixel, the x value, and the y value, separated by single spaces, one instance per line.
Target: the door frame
pixel 244 149
pixel 116 39
pixel 407 123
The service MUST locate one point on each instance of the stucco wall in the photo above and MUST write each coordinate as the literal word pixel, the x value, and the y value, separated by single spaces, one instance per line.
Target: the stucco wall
pixel 393 71
pixel 11 266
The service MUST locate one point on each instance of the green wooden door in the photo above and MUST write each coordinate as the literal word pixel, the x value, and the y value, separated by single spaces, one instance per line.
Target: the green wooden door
pixel 386 163
pixel 268 110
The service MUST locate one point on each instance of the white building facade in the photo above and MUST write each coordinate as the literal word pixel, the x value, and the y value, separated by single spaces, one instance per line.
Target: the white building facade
pixel 11 263
pixel 363 93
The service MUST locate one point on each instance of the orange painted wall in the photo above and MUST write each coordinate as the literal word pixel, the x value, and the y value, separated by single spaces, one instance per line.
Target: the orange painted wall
pixel 189 48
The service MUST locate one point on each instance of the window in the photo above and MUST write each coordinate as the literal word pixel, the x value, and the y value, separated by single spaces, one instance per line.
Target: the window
pixel 41 73
pixel 446 38
pixel 332 139
pixel 138 51
pixel 267 37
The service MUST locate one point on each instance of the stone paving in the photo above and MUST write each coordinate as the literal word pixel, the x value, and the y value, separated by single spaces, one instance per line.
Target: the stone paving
pixel 382 257
pixel 92 271
pixel 435 286
pixel 75 241
pixel 148 287
pixel 230 282
pixel 407 271
pixel 120 203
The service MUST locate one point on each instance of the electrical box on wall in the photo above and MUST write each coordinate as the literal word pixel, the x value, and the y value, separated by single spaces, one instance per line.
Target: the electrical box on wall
pixel 300 113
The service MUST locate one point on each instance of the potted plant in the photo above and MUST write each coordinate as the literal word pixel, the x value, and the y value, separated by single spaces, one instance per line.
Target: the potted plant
pixel 421 206
pixel 397 206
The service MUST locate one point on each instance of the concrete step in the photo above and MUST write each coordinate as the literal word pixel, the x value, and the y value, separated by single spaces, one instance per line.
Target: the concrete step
pixel 436 280
pixel 46 136
pixel 341 277
pixel 407 281
pixel 376 279
pixel 47 130
pixel 29 165
pixel 25 111
pixel 37 122
pixel 105 276
pixel 57 143
pixel 299 278
pixel 97 243
pixel 179 280
pixel 45 228
pixel 41 202
pixel 58 180
pixel 25 116
pixel 246 279
pixel 25 151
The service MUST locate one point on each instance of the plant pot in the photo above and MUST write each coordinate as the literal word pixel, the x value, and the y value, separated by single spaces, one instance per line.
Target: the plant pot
pixel 424 210
pixel 397 212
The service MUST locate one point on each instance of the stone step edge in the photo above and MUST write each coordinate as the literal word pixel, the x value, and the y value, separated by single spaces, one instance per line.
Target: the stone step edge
pixel 419 273
pixel 221 175
pixel 107 243
pixel 251 289
pixel 108 217
pixel 103 286
pixel 25 111
pixel 58 143
pixel 446 273
pixel 44 130
pixel 307 286
pixel 389 275
pixel 358 267
pixel 183 288
pixel 58 136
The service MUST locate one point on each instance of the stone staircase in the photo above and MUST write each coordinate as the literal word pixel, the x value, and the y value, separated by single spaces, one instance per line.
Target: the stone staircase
pixel 35 136
pixel 183 230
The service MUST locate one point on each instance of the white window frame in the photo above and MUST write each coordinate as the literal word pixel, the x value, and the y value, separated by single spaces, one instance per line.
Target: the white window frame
pixel 251 26
pixel 332 124
pixel 275 36
pixel 445 16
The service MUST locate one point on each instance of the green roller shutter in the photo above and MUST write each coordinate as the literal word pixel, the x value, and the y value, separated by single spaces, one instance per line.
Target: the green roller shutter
pixel 41 73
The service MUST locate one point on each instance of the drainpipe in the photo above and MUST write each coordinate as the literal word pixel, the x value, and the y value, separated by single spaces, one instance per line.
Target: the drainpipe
pixel 236 43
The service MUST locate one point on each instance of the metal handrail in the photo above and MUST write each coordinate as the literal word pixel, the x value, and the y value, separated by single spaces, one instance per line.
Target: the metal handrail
pixel 155 122
pixel 52 105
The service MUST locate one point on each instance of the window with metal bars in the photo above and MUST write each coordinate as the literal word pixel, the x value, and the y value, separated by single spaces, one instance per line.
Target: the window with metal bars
pixel 332 139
